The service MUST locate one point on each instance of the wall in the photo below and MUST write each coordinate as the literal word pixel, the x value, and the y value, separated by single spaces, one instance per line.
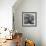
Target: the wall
pixel 32 33
pixel 6 13
pixel 43 22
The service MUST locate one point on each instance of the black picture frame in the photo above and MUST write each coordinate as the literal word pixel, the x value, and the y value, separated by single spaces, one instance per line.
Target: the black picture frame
pixel 29 19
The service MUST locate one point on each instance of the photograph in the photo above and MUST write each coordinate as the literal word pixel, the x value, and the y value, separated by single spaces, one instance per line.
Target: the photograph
pixel 29 19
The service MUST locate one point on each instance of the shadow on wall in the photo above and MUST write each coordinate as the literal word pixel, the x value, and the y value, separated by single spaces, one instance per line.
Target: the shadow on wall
pixel 13 44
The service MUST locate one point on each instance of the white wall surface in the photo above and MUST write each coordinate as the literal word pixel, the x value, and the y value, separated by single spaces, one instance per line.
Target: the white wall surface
pixel 43 22
pixel 32 33
pixel 6 13
pixel 38 34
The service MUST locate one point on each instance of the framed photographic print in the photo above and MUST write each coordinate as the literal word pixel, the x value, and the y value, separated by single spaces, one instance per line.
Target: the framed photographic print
pixel 29 19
